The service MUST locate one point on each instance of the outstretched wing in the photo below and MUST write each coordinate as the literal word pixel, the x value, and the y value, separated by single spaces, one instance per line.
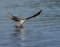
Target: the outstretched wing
pixel 16 19
pixel 34 15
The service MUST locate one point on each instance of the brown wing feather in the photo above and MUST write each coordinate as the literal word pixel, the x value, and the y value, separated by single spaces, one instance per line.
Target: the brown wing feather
pixel 34 15
pixel 16 19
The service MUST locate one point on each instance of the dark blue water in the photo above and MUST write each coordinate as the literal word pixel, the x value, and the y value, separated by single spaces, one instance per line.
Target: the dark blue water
pixel 42 31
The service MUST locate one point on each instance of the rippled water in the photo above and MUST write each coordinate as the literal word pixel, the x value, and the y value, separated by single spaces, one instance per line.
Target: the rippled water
pixel 42 31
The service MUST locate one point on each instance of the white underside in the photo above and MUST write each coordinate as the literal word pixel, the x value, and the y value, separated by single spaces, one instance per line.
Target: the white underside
pixel 22 21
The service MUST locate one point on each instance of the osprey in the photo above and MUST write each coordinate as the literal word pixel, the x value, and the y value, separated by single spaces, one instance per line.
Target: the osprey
pixel 22 20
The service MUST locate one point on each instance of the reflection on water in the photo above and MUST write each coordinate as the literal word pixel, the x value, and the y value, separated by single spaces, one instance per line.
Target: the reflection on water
pixel 42 31
pixel 18 38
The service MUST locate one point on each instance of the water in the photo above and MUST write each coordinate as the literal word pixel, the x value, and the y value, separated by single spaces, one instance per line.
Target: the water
pixel 42 31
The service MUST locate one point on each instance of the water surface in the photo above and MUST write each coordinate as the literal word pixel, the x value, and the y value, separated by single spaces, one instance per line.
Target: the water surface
pixel 42 31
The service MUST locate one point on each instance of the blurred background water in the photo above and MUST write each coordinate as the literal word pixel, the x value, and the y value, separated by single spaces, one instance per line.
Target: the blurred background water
pixel 42 31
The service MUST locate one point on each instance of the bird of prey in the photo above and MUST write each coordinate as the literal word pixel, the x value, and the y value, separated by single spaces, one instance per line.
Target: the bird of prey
pixel 22 20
